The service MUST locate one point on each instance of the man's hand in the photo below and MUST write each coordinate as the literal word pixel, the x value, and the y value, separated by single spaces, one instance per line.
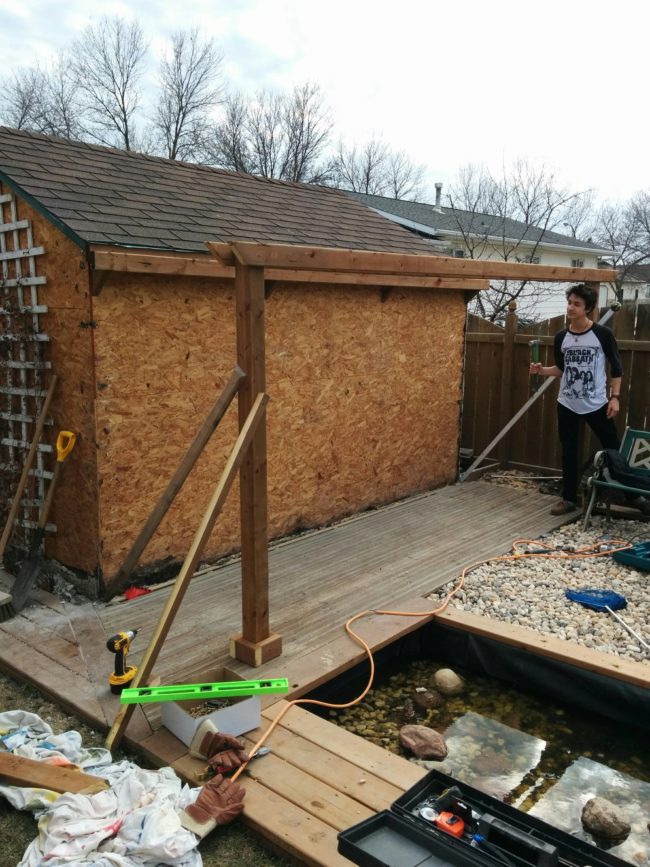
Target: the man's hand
pixel 535 368
pixel 613 407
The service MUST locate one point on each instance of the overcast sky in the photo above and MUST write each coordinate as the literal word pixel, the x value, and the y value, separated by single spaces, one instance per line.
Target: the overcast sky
pixel 560 83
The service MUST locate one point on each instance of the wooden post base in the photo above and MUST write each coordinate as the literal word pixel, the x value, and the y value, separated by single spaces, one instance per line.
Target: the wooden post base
pixel 255 654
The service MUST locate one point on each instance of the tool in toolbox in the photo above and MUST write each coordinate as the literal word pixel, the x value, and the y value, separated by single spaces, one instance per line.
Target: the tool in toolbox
pixel 192 691
pixel 120 644
pixel 31 567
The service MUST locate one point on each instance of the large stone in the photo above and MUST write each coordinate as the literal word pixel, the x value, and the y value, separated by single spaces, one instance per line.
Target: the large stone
pixel 423 742
pixel 448 682
pixel 604 820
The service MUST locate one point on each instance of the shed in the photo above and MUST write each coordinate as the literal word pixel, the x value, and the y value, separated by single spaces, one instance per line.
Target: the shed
pixel 108 282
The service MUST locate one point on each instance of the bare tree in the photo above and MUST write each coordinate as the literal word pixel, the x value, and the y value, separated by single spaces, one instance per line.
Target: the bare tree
pixel 275 135
pixel 229 146
pixel 21 98
pixel 61 113
pixel 624 228
pixel 362 169
pixel 189 91
pixel 505 217
pixel 376 170
pixel 107 62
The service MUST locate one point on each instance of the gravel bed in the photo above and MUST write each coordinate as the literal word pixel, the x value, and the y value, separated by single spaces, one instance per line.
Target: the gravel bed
pixel 529 592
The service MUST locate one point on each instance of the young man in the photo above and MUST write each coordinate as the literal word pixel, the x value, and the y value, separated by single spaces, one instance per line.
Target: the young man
pixel 582 352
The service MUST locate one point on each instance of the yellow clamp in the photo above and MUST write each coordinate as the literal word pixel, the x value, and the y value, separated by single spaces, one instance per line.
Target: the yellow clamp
pixel 64 444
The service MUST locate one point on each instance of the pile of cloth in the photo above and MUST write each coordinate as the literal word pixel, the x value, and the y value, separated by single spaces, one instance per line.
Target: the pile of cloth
pixel 134 823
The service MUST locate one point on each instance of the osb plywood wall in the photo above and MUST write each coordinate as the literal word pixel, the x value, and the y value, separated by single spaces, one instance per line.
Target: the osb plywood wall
pixel 68 324
pixel 364 402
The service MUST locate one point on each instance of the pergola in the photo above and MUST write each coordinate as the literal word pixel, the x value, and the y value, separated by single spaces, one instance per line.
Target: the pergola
pixel 253 266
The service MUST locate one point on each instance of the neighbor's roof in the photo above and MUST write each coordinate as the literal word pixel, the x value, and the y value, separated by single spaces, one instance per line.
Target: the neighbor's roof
pixel 101 195
pixel 453 221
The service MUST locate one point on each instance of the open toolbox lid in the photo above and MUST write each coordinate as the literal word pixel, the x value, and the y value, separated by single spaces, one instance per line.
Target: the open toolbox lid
pixel 507 837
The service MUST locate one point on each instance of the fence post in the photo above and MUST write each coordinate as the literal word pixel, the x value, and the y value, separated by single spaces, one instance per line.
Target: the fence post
pixel 507 370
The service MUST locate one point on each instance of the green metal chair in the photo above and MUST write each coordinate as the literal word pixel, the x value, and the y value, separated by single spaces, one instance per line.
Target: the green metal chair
pixel 635 448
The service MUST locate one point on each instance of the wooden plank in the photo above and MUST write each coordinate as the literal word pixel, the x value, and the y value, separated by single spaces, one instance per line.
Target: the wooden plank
pixel 187 571
pixel 115 260
pixel 546 645
pixel 116 584
pixel 393 770
pixel 298 787
pixel 333 259
pixel 327 767
pixel 295 832
pixel 20 771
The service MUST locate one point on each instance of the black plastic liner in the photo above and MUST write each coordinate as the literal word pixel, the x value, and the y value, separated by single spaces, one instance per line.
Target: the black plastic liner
pixel 586 690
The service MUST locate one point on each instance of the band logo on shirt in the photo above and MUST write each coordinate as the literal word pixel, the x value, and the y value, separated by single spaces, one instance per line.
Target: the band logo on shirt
pixel 579 367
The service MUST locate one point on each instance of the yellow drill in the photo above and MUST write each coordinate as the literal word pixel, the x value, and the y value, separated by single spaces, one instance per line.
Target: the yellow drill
pixel 119 644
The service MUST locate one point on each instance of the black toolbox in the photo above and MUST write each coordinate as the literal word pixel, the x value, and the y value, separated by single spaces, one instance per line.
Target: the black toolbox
pixel 495 834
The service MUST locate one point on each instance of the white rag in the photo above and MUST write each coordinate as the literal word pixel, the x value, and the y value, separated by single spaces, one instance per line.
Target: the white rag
pixel 133 824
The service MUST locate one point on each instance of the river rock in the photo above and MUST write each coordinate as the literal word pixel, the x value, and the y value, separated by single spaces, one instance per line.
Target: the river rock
pixel 448 682
pixel 428 699
pixel 604 820
pixel 423 742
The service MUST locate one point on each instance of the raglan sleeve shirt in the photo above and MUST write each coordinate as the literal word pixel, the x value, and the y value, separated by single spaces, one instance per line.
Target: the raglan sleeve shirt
pixel 582 358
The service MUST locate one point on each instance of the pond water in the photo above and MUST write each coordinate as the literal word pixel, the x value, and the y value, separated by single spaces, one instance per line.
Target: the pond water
pixel 536 755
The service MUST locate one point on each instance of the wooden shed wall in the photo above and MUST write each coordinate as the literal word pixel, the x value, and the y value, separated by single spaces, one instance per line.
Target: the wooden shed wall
pixel 364 402
pixel 68 324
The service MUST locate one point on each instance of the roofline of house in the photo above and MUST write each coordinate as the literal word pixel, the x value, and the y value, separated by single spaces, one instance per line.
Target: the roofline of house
pixel 422 227
pixel 40 208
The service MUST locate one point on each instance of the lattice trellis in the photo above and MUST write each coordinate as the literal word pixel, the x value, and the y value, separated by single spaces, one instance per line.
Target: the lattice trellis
pixel 23 368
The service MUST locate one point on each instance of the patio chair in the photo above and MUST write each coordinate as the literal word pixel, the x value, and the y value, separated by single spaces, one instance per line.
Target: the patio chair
pixel 635 448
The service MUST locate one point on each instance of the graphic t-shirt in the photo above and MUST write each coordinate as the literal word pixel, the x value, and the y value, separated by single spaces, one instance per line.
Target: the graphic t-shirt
pixel 582 360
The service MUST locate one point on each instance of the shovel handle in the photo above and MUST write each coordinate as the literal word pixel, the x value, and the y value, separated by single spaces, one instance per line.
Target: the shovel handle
pixel 64 444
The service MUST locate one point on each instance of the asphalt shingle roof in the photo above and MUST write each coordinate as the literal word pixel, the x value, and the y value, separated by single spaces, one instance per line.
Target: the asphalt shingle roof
pixel 107 196
pixel 454 220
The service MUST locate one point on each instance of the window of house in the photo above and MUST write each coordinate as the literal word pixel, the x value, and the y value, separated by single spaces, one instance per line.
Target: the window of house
pixel 577 263
pixel 459 254
pixel 532 260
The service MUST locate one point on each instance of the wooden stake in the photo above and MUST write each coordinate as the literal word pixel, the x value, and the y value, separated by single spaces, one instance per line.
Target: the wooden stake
pixel 202 535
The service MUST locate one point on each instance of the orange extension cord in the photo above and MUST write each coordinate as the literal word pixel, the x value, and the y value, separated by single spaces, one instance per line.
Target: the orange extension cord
pixel 590 551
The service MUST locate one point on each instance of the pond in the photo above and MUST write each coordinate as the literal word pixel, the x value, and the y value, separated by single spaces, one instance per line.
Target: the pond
pixel 525 750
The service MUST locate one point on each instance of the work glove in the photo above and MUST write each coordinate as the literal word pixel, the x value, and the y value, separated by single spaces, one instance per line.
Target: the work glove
pixel 210 741
pixel 226 761
pixel 219 802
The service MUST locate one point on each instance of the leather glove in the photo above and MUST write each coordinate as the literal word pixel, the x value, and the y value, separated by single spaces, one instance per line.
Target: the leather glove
pixel 229 760
pixel 219 802
pixel 214 742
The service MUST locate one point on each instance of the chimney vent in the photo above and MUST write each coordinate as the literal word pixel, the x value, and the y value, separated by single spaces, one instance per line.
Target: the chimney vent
pixel 438 194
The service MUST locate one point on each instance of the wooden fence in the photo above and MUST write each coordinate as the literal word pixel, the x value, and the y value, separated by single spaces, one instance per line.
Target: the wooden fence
pixel 497 384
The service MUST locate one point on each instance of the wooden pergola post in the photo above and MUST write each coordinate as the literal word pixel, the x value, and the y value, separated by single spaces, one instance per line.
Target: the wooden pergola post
pixel 255 645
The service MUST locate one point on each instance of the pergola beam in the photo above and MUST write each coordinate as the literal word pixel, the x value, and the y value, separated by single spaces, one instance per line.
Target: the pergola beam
pixel 301 258
pixel 105 260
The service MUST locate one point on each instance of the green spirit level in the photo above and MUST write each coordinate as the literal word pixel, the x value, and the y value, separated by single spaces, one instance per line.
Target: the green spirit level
pixel 192 691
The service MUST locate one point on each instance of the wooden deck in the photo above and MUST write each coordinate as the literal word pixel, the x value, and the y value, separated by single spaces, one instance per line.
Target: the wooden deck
pixel 318 779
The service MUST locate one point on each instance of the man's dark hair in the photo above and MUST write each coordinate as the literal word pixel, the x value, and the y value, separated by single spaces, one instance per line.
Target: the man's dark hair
pixel 583 291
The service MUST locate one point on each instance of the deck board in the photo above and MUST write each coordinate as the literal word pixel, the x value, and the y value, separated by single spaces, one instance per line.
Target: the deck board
pixel 319 777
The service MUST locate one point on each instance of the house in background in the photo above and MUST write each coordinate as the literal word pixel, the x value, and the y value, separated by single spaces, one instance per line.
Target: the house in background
pixel 635 284
pixel 469 234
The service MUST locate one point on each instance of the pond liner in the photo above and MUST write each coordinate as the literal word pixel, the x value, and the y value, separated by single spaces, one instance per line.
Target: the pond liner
pixel 586 690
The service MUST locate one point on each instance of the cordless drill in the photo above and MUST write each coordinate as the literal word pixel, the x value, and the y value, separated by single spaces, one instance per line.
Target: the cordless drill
pixel 119 644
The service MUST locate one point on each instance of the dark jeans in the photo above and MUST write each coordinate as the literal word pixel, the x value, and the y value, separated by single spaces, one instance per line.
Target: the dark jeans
pixel 568 424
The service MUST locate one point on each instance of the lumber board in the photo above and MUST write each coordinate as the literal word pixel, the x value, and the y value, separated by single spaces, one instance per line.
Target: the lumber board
pixel 385 765
pixel 636 673
pixel 326 766
pixel 297 833
pixel 20 771
pixel 267 255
